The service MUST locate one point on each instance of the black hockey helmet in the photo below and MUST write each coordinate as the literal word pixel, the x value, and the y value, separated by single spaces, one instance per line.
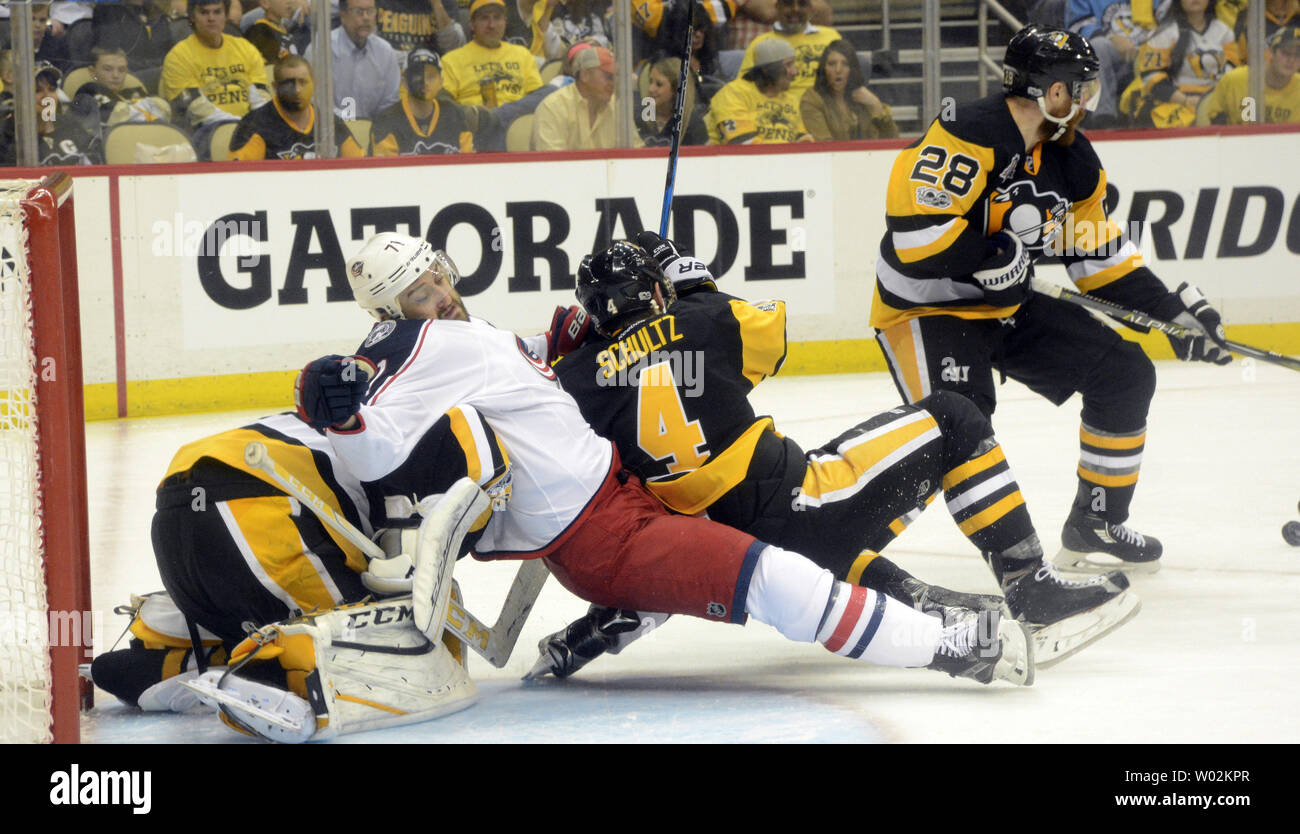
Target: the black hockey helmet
pixel 1038 56
pixel 616 287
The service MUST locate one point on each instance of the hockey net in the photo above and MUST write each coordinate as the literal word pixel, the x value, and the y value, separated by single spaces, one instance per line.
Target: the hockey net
pixel 44 575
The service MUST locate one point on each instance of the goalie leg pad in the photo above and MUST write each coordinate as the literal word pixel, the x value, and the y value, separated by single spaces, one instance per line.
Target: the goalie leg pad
pixel 358 667
pixel 441 533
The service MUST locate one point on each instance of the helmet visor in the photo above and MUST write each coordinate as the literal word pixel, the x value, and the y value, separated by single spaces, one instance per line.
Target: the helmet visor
pixel 1088 93
pixel 444 267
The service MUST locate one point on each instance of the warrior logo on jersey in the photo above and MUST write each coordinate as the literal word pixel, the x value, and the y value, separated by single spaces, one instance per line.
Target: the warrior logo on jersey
pixel 1036 218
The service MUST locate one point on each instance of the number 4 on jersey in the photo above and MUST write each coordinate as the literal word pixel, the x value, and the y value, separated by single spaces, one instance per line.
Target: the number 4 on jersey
pixel 663 430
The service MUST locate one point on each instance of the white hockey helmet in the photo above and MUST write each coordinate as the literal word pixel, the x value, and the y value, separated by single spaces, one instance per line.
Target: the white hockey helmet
pixel 387 265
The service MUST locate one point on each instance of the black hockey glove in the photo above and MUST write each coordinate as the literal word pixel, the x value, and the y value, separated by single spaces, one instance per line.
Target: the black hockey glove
pixel 1005 275
pixel 330 390
pixel 683 269
pixel 1187 306
pixel 570 327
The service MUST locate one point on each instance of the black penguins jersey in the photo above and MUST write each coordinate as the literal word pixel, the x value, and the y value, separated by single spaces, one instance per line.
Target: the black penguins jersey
pixel 672 393
pixel 302 452
pixel 969 177
pixel 265 133
pixel 397 132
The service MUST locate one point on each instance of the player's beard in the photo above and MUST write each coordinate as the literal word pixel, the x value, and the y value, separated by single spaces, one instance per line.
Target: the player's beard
pixel 1066 139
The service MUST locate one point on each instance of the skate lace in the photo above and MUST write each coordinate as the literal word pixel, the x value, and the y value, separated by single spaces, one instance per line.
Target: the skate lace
pixel 1126 535
pixel 1049 571
pixel 958 640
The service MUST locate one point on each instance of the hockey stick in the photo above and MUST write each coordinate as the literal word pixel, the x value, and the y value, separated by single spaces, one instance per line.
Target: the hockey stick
pixel 1141 319
pixel 675 126
pixel 494 644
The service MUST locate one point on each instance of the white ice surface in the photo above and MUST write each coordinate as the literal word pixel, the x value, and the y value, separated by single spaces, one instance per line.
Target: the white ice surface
pixel 1211 658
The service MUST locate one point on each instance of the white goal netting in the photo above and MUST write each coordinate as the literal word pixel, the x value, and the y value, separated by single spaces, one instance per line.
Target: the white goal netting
pixel 25 678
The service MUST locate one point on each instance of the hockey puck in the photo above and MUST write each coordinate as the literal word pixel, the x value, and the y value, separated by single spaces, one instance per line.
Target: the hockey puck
pixel 1291 532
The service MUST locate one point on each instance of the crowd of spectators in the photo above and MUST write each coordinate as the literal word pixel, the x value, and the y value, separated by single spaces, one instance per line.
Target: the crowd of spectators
pixel 1173 63
pixel 227 77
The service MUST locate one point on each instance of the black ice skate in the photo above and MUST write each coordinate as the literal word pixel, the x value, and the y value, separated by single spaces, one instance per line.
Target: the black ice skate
pixel 598 631
pixel 985 646
pixel 1090 544
pixel 929 599
pixel 1064 615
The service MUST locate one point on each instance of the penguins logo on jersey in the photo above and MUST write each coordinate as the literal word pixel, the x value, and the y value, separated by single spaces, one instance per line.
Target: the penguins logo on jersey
pixel 1035 217
pixel 299 150
pixel 425 147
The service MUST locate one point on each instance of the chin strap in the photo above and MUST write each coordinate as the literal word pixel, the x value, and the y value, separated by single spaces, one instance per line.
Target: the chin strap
pixel 1062 122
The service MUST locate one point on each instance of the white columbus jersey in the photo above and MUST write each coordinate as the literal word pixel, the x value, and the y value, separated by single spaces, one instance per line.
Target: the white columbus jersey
pixel 427 367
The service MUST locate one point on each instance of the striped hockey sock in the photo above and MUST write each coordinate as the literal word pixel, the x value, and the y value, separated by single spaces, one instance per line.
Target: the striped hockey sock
pixel 1108 470
pixel 985 501
pixel 865 625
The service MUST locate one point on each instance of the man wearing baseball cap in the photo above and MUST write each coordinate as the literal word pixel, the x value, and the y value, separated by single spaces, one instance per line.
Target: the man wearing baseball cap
pixel 488 71
pixel 761 107
pixel 792 27
pixel 1230 101
pixel 581 115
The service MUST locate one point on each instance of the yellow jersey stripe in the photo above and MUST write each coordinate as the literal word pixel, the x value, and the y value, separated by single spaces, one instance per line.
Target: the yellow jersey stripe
pixel 762 337
pixel 952 230
pixel 1109 274
pixel 465 437
pixel 297 460
pixel 860 463
pixel 696 490
pixel 268 532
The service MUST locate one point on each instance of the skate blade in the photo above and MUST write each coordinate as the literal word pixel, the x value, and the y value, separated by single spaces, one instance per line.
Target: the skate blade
pixel 285 719
pixel 1072 561
pixel 1018 672
pixel 1056 642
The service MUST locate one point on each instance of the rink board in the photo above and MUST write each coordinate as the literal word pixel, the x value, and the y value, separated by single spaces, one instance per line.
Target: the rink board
pixel 205 290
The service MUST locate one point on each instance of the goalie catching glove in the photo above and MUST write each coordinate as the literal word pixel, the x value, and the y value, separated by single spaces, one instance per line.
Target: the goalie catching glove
pixel 330 389
pixel 1187 306
pixel 354 668
pixel 1004 276
pixel 683 269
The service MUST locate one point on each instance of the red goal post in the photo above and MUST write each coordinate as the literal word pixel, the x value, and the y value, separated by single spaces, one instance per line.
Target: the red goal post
pixel 45 578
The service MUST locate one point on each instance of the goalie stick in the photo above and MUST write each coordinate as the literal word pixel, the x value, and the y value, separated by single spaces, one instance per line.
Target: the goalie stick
pixel 1141 319
pixel 493 644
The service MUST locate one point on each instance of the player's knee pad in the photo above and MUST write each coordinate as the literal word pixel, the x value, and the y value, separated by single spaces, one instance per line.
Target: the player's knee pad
pixel 963 426
pixel 355 668
pixel 1117 393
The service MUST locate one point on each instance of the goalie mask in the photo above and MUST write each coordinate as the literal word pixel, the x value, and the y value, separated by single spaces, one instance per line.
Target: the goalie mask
pixel 1038 57
pixel 387 265
pixel 617 287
